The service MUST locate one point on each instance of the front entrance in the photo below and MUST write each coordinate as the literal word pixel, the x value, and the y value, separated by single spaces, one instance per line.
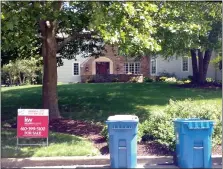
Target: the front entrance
pixel 102 68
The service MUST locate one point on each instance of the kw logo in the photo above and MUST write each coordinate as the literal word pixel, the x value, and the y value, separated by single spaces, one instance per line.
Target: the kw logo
pixel 28 120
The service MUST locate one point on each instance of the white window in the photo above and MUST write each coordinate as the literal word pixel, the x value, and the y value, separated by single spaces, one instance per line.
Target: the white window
pixel 132 67
pixel 185 64
pixel 76 69
pixel 153 66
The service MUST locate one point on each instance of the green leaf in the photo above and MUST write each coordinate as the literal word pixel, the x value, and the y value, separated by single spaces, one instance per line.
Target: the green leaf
pixel 2 16
pixel 9 25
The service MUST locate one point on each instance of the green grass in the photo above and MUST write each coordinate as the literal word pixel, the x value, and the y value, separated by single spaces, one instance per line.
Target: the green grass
pixel 96 102
pixel 60 145
pixel 93 102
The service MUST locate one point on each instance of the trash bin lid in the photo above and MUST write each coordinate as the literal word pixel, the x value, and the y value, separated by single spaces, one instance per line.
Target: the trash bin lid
pixel 202 124
pixel 195 123
pixel 186 119
pixel 124 118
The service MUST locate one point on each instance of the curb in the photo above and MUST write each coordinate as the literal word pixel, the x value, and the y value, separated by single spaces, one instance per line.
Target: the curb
pixel 84 160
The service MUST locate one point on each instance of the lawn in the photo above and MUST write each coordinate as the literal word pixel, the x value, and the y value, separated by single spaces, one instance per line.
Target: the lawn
pixel 60 145
pixel 91 102
pixel 95 102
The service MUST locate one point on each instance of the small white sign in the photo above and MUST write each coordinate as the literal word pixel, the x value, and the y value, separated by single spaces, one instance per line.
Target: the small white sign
pixel 33 112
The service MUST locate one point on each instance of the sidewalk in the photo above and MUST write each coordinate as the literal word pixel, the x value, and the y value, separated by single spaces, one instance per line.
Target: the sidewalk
pixel 91 162
pixel 107 166
pixel 96 166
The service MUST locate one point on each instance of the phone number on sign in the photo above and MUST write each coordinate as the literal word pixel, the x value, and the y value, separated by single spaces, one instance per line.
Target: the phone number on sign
pixel 32 128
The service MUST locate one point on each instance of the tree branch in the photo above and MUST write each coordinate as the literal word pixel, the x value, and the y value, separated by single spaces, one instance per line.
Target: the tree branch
pixel 40 36
pixel 75 36
pixel 55 23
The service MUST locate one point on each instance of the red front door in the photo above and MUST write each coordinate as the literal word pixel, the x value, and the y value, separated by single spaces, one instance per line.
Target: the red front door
pixel 102 68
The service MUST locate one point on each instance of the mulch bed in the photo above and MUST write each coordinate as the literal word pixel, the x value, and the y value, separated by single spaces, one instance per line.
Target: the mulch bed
pixel 204 86
pixel 92 131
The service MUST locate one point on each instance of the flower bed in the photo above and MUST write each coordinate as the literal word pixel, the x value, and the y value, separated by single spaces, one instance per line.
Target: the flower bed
pixel 112 78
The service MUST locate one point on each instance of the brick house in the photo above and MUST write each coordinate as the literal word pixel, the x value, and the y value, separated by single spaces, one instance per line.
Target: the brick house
pixel 105 68
pixel 111 67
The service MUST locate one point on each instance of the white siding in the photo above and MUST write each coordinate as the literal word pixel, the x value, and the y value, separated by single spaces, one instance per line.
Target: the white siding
pixel 174 65
pixel 65 72
pixel 213 72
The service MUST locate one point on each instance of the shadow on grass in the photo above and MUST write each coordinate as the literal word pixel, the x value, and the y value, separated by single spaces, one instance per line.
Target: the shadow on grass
pixel 95 102
pixel 57 141
pixel 98 101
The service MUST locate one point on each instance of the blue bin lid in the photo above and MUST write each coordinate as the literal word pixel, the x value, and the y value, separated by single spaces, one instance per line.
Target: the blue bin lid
pixel 196 123
pixel 202 124
pixel 186 119
pixel 123 118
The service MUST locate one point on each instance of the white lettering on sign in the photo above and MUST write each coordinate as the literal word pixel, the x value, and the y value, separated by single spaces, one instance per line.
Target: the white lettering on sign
pixel 27 132
pixel 33 112
pixel 24 128
pixel 36 133
pixel 28 120
pixel 33 128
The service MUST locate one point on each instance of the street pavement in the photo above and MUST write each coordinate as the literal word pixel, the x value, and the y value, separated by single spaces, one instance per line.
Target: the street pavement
pixel 107 166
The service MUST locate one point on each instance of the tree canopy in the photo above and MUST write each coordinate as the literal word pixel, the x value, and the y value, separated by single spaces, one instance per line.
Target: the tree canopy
pixel 190 25
pixel 137 28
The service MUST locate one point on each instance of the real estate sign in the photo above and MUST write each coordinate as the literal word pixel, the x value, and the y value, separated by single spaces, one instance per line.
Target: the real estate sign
pixel 32 123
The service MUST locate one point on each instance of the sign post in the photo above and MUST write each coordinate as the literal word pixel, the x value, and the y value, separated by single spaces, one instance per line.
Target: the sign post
pixel 33 123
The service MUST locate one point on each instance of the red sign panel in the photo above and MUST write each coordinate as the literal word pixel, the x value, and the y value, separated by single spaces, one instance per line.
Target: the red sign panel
pixel 32 123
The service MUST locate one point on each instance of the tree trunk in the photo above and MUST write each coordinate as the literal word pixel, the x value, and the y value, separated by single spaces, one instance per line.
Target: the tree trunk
pixel 201 67
pixel 13 80
pixel 24 79
pixel 199 75
pixel 10 78
pixel 20 79
pixel 206 61
pixel 49 48
pixel 194 65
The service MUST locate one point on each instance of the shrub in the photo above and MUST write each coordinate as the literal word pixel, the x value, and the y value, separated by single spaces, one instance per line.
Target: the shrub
pixel 171 80
pixel 91 81
pixel 162 78
pixel 166 74
pixel 187 81
pixel 209 79
pixel 146 79
pixel 161 127
pixel 180 82
pixel 104 132
pixel 115 80
pixel 133 80
pixel 218 83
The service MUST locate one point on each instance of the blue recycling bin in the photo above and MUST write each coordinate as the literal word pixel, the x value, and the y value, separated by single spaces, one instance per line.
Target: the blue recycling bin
pixel 122 131
pixel 193 142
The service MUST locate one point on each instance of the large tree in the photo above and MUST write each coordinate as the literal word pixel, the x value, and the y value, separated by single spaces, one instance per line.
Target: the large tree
pixel 137 28
pixel 192 28
pixel 125 24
